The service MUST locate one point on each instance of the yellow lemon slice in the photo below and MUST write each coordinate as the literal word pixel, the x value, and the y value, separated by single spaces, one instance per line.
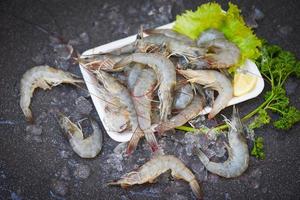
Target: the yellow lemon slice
pixel 243 83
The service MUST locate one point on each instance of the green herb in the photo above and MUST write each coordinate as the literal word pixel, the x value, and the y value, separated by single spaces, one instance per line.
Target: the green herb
pixel 231 23
pixel 258 148
pixel 261 119
pixel 276 65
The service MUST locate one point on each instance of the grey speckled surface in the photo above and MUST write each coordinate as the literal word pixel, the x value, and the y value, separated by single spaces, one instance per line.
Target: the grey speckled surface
pixel 37 166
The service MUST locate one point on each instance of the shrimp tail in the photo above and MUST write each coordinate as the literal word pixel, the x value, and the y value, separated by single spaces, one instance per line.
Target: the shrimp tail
pixel 204 159
pixel 115 182
pixel 134 141
pixel 211 115
pixel 159 129
pixel 151 31
pixel 151 139
pixel 196 189
pixel 28 115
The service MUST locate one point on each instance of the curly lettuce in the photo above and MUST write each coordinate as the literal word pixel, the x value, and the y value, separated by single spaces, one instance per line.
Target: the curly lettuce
pixel 231 23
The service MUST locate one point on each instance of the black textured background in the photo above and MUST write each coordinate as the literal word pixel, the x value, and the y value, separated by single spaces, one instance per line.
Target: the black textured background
pixel 29 168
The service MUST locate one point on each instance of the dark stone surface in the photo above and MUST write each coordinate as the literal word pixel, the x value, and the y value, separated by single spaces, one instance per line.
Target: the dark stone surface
pixel 45 168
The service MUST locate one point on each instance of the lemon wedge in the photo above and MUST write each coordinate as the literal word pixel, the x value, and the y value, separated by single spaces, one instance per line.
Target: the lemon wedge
pixel 243 83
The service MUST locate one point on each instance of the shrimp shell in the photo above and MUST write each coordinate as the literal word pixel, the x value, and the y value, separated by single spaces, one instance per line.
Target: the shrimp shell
pixel 214 80
pixel 166 75
pixel 238 153
pixel 155 167
pixel 44 77
pixel 84 147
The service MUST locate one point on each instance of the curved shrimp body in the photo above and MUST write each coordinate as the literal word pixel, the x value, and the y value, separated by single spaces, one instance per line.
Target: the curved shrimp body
pixel 191 111
pixel 238 154
pixel 85 147
pixel 142 97
pixel 166 75
pixel 172 34
pixel 220 52
pixel 214 80
pixel 118 90
pixel 155 167
pixel 183 97
pixel 43 77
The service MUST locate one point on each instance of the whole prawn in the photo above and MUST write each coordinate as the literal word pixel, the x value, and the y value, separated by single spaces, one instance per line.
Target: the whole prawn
pixel 191 111
pixel 166 75
pixel 220 52
pixel 142 97
pixel 155 167
pixel 174 45
pixel 44 77
pixel 214 80
pixel 85 147
pixel 238 154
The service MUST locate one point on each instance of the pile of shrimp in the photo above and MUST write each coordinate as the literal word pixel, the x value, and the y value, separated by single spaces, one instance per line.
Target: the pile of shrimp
pixel 151 86
pixel 164 80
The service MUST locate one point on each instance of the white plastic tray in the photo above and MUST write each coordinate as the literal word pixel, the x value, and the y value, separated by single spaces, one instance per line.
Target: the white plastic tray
pixel 92 83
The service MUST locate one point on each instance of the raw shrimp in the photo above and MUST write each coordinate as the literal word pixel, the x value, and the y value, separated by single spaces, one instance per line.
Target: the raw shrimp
pixel 85 147
pixel 120 91
pixel 43 77
pixel 184 116
pixel 238 154
pixel 172 34
pixel 176 47
pixel 155 167
pixel 183 97
pixel 166 75
pixel 220 52
pixel 142 97
pixel 214 80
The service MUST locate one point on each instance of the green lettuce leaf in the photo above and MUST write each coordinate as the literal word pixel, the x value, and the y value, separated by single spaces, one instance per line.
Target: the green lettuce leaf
pixel 231 23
